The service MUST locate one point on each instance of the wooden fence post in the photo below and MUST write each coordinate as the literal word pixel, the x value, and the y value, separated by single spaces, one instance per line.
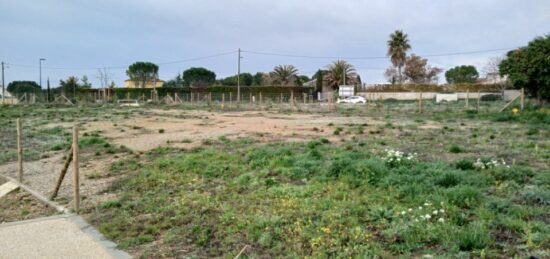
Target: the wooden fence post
pixel 467 97
pixel 20 150
pixel 223 101
pixel 478 99
pixel 76 180
pixel 260 98
pixel 420 103
pixel 230 98
pixel 522 98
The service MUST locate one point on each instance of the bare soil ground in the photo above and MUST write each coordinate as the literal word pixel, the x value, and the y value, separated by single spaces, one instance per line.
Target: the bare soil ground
pixel 190 128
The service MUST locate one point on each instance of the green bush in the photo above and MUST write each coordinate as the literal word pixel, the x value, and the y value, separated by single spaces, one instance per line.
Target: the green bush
pixel 449 179
pixel 464 196
pixel 455 149
pixel 465 164
pixel 475 236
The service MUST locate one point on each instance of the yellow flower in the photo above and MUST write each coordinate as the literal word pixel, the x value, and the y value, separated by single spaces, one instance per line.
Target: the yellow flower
pixel 515 110
pixel 325 230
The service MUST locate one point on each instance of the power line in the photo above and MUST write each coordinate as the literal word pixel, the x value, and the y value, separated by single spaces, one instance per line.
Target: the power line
pixel 124 67
pixel 370 57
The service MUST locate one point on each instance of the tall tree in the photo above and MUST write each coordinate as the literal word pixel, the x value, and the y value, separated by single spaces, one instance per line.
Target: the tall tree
pixel 21 87
pixel 69 85
pixel 284 74
pixel 300 80
pixel 528 67
pixel 258 79
pixel 398 45
pixel 319 78
pixel 339 70
pixel 48 92
pixel 418 71
pixel 198 77
pixel 85 82
pixel 142 72
pixel 246 79
pixel 492 65
pixel 462 74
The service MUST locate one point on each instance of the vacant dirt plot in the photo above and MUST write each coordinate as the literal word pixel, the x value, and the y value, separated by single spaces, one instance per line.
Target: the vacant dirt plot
pixel 191 128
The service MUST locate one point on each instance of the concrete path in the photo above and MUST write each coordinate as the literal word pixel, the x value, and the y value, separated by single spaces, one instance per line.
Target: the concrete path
pixel 63 236
pixel 7 188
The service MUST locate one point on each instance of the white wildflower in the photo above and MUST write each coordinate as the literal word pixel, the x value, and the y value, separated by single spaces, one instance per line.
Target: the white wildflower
pixel 410 210
pixel 435 212
pixel 441 220
pixel 442 210
pixel 403 212
pixel 427 217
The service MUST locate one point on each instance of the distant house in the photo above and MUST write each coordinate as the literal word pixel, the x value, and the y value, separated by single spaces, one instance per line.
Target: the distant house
pixel 8 98
pixel 149 84
pixel 493 79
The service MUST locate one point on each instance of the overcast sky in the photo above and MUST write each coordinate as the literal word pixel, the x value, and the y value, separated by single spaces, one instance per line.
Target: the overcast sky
pixel 79 35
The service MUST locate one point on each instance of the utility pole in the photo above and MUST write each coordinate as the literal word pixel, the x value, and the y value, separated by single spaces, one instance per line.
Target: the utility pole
pixel 344 75
pixel 40 70
pixel 239 76
pixel 48 91
pixel 3 86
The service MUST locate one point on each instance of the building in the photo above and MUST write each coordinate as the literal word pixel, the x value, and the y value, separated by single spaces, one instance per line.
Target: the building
pixel 149 84
pixel 493 79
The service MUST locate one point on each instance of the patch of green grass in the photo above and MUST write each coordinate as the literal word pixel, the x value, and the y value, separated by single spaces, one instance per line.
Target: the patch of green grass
pixel 315 199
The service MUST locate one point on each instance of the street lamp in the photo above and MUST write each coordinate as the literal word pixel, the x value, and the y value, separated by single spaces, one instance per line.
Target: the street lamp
pixel 40 70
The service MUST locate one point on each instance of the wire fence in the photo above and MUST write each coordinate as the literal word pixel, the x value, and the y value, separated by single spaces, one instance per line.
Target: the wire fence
pixel 300 101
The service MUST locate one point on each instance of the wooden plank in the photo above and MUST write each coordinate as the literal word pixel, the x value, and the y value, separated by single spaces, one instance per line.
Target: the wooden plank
pixel 7 188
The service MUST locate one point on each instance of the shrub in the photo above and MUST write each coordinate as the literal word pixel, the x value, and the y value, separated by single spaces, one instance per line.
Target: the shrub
pixel 464 196
pixel 448 179
pixel 475 236
pixel 536 196
pixel 455 149
pixel 532 131
pixel 161 130
pixel 464 164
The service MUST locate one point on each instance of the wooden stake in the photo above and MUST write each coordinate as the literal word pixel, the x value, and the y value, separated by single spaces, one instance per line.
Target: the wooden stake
pixel 260 98
pixel 62 174
pixel 478 99
pixel 223 101
pixel 230 99
pixel 467 97
pixel 420 103
pixel 20 150
pixel 522 98
pixel 76 179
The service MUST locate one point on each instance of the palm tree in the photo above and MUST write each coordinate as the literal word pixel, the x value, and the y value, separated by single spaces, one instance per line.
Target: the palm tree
pixel 336 72
pixel 284 74
pixel 398 45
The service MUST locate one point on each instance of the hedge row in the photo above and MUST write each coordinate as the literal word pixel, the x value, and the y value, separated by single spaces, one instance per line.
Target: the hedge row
pixel 435 88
